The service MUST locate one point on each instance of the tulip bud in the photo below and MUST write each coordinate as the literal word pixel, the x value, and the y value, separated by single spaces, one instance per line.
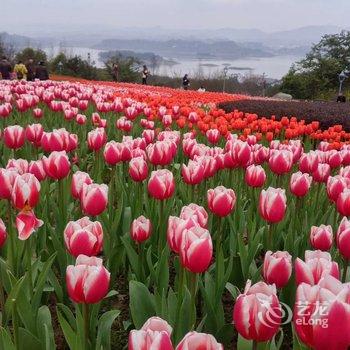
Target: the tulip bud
pixel 138 169
pixel 343 238
pixel 83 237
pixel 94 199
pixel 195 213
pixel 57 165
pixel 196 341
pixel 322 173
pixel 87 281
pixel 213 136
pixel 141 229
pixel 281 161
pixel 343 202
pixel 14 136
pixel 25 192
pixel 96 139
pixel 7 180
pixel 3 233
pixel 272 204
pixel 193 173
pixel 36 167
pixel 79 178
pixel 277 268
pixel 335 186
pixel 321 238
pixel 221 200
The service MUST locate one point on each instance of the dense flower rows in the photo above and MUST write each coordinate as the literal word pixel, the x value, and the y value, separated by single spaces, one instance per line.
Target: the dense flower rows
pixel 222 229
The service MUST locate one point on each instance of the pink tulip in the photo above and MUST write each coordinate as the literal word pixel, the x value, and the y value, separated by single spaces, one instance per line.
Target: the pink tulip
pixel 272 204
pixel 322 314
pixel 87 281
pixel 79 178
pixel 199 341
pixel 161 152
pixel 37 113
pixel 14 136
pixel 255 176
pixel 156 324
pixel 81 119
pixel 213 136
pixel 334 158
pixel 281 161
pixel 343 238
pixel 308 162
pixel 57 165
pixel 116 152
pixel 161 184
pixel 335 186
pixel 317 265
pixel 94 199
pixel 27 223
pixel 322 173
pixel 36 167
pixel 277 268
pixel 321 237
pixel 196 249
pixel 221 200
pixel 83 237
pixel 96 139
pixel 138 169
pixel 3 233
pixel 148 340
pixel 196 213
pixel 300 184
pixel 59 140
pixel 257 312
pixel 34 133
pixel 343 202
pixel 193 173
pixel 141 229
pixel 20 165
pixel 25 192
pixel 7 180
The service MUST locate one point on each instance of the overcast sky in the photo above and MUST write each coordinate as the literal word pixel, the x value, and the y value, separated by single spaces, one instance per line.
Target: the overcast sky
pixel 269 15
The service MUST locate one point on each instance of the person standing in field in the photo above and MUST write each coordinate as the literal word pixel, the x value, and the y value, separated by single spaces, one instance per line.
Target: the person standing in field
pixel 145 74
pixel 185 82
pixel 31 70
pixel 41 72
pixel 21 71
pixel 5 68
pixel 116 72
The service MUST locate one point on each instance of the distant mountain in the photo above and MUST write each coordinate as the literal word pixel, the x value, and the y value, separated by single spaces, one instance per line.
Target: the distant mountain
pixel 17 41
pixel 187 48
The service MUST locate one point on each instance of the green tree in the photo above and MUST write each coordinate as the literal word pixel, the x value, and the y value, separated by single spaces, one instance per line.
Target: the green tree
pixel 318 72
pixel 128 68
pixel 29 53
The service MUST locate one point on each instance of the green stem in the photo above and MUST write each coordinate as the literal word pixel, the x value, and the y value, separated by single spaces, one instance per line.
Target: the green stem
pixel 270 236
pixel 345 270
pixel 2 302
pixel 86 325
pixel 193 291
pixel 15 324
pixel 12 240
pixel 160 230
pixel 255 345
pixel 28 248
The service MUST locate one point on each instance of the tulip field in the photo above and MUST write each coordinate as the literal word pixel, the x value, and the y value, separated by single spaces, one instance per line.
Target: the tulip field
pixel 147 218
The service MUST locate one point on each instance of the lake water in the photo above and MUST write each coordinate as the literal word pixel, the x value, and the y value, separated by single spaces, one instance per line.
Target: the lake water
pixel 274 67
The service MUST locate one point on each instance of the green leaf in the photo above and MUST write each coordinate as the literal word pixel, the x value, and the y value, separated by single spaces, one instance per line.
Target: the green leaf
pixel 104 329
pixel 132 255
pixel 27 340
pixel 69 334
pixel 142 304
pixel 183 324
pixel 5 340
pixel 44 327
pixel 244 344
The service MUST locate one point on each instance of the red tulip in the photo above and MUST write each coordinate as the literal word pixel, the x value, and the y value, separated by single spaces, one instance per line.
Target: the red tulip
pixel 27 223
pixel 322 314
pixel 14 136
pixel 34 133
pixel 257 312
pixel 308 162
pixel 196 249
pixel 281 161
pixel 161 184
pixel 57 165
pixel 300 184
pixel 198 341
pixel 193 173
pixel 79 178
pixel 138 169
pixel 195 213
pixel 87 281
pixel 25 192
pixel 343 238
pixel 3 233
pixel 317 265
pixel 83 237
pixel 94 199
pixel 321 237
pixel 221 200
pixel 36 167
pixel 272 204
pixel 141 229
pixel 277 268
pixel 96 139
pixel 255 176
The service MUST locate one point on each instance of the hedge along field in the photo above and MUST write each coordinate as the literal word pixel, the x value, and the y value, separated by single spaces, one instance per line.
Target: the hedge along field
pixel 149 218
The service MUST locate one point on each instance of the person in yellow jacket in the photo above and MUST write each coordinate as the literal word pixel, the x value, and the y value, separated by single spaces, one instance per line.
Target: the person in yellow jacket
pixel 21 71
